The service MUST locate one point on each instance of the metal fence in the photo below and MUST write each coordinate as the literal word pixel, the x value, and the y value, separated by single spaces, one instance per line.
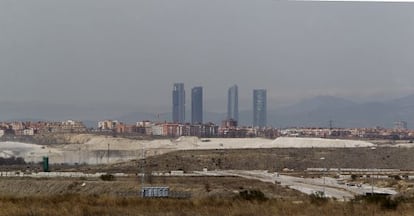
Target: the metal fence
pixel 155 192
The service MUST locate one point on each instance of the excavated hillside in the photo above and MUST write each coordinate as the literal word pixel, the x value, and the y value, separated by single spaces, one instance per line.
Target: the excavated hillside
pixel 275 159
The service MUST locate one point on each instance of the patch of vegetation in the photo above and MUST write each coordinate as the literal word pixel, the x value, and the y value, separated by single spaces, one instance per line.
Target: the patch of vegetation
pixel 251 195
pixel 385 202
pixel 318 198
pixel 107 177
pixel 12 161
pixel 397 177
pixel 207 187
pixel 354 177
pixel 75 204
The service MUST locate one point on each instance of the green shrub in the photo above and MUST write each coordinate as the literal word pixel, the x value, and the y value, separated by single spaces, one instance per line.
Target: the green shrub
pixel 354 177
pixel 252 195
pixel 390 204
pixel 318 198
pixel 385 202
pixel 397 177
pixel 107 177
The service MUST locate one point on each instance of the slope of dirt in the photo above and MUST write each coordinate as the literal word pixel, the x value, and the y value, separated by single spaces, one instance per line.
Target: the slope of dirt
pixel 273 159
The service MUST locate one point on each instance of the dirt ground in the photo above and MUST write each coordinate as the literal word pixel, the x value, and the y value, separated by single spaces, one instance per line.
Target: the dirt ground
pixel 209 195
pixel 195 187
pixel 270 159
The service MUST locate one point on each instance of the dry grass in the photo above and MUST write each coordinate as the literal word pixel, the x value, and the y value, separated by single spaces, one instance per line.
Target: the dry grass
pixel 199 187
pixel 106 205
pixel 211 196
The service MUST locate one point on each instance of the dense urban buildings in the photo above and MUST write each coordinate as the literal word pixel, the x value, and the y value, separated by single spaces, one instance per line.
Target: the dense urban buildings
pixel 28 128
pixel 229 128
pixel 259 108
pixel 178 94
pixel 197 105
pixel 233 103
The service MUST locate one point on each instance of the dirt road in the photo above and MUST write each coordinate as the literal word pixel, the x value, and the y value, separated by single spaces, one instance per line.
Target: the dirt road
pixel 329 186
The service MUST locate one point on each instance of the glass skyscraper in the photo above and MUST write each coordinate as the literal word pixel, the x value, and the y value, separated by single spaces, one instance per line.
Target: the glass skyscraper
pixel 233 103
pixel 178 96
pixel 259 108
pixel 197 105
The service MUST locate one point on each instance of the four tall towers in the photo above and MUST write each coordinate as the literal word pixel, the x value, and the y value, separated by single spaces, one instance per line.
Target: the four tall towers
pixel 178 102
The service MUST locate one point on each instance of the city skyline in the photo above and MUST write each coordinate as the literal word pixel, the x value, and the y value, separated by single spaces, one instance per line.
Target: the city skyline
pixel 312 112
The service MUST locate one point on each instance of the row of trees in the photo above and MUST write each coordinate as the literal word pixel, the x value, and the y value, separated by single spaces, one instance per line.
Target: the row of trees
pixel 12 161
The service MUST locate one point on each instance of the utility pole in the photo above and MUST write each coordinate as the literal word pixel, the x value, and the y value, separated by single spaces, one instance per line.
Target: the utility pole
pixel 108 154
pixel 323 175
pixel 372 173
pixel 142 170
pixel 372 181
pixel 79 155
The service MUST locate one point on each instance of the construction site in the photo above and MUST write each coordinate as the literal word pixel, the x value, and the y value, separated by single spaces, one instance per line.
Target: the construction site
pixel 191 168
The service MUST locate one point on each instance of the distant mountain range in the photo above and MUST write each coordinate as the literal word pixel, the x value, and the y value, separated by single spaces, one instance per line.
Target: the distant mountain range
pixel 313 112
pixel 318 112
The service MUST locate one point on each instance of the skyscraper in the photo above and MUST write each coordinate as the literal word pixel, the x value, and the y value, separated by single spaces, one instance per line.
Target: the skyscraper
pixel 233 103
pixel 259 108
pixel 178 96
pixel 197 105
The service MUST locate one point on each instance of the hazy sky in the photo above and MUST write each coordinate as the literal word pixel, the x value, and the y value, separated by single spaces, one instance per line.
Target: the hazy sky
pixel 131 52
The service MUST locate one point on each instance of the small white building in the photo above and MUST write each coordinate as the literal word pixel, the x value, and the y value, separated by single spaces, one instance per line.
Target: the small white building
pixel 157 130
pixel 69 123
pixel 28 132
pixel 108 124
pixel 144 124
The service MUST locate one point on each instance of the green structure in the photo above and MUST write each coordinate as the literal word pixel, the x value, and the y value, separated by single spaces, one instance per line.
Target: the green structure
pixel 45 164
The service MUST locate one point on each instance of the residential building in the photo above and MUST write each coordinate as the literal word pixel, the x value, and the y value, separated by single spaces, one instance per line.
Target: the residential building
pixel 197 105
pixel 28 132
pixel 202 130
pixel 229 123
pixel 173 129
pixel 259 108
pixel 107 125
pixel 233 103
pixel 144 127
pixel 178 96
pixel 157 130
